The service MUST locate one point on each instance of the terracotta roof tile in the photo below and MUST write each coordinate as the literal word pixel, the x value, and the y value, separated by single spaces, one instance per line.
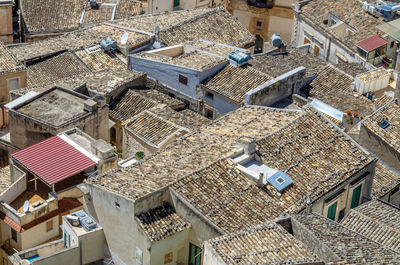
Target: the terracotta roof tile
pixel 264 244
pixel 8 62
pixel 234 82
pixel 377 220
pixel 385 180
pixel 98 61
pixel 345 243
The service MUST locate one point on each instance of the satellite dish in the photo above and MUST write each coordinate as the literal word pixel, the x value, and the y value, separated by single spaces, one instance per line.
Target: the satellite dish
pixel 157 29
pixel 124 38
pixel 26 206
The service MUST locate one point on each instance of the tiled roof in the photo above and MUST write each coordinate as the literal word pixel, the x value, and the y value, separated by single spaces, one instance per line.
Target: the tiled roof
pixel 130 105
pixel 5 178
pixel 55 107
pixel 352 69
pixel 161 222
pixel 315 154
pixel 360 24
pixel 42 16
pixel 234 82
pixel 186 118
pixel 377 220
pixel 382 101
pixel 391 135
pixel 51 16
pixel 333 87
pixel 98 61
pixel 8 62
pixel 152 128
pixel 212 47
pixel 128 8
pixel 78 39
pixel 385 180
pixel 158 96
pixel 57 67
pixel 194 60
pixel 280 64
pixel 264 244
pixel 345 243
pixel 225 196
pixel 102 13
pixel 195 151
pixel 226 29
pixel 101 82
pixel 371 43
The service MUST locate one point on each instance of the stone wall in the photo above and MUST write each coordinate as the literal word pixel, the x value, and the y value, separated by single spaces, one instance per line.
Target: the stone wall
pixel 276 89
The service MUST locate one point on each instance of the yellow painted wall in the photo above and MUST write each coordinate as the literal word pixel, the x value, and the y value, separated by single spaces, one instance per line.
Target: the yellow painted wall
pixel 6 27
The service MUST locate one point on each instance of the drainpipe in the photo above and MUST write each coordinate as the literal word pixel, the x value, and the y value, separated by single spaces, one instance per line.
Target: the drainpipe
pixel 329 50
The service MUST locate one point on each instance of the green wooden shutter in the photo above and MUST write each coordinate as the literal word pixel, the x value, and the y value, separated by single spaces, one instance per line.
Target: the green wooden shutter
pixel 355 200
pixel 194 255
pixel 332 211
pixel 176 3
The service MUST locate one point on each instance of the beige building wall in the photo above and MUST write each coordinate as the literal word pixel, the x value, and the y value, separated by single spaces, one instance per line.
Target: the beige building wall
pixel 265 21
pixel 5 84
pixel 38 234
pixel 6 24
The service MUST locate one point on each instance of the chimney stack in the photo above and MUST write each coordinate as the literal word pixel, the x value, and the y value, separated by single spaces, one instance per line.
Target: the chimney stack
pixel 248 144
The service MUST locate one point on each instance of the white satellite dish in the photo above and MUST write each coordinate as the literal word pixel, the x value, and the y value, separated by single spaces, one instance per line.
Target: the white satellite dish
pixel 26 206
pixel 124 38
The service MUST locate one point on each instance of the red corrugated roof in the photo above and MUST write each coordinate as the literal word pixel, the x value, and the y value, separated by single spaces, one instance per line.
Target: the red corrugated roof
pixel 53 160
pixel 371 43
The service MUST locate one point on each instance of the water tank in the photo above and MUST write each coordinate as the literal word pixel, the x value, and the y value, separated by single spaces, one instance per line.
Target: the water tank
pixel 276 40
pixel 238 57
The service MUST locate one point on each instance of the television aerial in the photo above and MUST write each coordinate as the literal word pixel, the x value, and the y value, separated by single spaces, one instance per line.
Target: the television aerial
pixel 124 38
pixel 26 206
pixel 157 30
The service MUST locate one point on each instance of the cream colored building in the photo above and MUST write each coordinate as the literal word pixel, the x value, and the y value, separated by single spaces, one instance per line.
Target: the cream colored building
pixel 263 22
pixel 12 77
pixel 6 21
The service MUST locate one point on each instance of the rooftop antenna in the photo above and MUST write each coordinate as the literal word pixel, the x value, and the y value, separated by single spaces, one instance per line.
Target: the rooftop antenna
pixel 124 38
pixel 157 30
pixel 26 206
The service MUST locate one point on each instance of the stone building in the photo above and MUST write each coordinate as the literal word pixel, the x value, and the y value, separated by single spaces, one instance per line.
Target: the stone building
pixel 264 18
pixel 6 20
pixel 341 31
pixel 12 77
pixel 56 110
pixel 379 133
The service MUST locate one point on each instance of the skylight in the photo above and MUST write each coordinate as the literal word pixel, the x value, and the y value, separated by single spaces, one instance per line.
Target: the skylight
pixel 280 180
pixel 384 124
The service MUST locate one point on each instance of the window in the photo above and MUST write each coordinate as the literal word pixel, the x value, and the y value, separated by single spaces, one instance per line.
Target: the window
pixel 194 255
pixel 392 44
pixel 183 79
pixel 280 180
pixel 209 95
pixel 259 23
pixel 176 3
pixel 259 45
pixel 332 211
pixel 306 40
pixel 49 225
pixel 316 51
pixel 67 240
pixel 355 199
pixel 341 215
pixel 13 84
pixel 139 256
pixel 14 235
pixel 117 204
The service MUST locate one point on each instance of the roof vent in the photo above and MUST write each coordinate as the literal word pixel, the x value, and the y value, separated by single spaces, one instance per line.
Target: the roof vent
pixel 93 4
pixel 280 181
pixel 108 45
pixel 238 58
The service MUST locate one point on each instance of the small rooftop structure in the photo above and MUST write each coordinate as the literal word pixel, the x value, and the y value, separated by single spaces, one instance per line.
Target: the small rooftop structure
pixel 53 160
pixel 55 106
pixel 371 43
pixel 161 222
